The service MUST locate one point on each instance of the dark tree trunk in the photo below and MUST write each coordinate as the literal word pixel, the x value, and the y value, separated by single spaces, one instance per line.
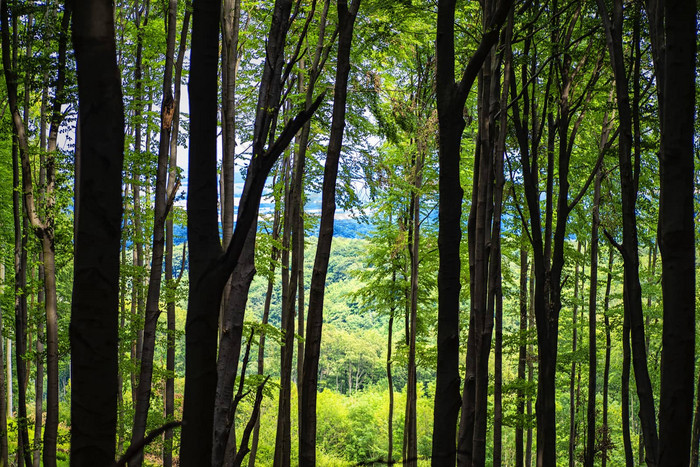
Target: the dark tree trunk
pixel 625 398
pixel 169 397
pixel 451 97
pixel 471 447
pixel 592 348
pixel 410 448
pixel 4 454
pixel 629 177
pixel 606 371
pixel 522 355
pixel 95 307
pixel 573 406
pixel 530 368
pixel 266 315
pixel 283 441
pixel 210 265
pixel 314 322
pixel 677 234
pixel 495 276
pixel 163 203
pixel 44 230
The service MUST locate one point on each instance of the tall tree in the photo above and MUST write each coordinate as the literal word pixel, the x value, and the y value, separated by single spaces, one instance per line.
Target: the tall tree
pixel 275 78
pixel 210 264
pixel 677 232
pixel 314 323
pixel 41 219
pixel 451 97
pixel 629 182
pixel 171 282
pixel 4 452
pixel 95 307
pixel 164 196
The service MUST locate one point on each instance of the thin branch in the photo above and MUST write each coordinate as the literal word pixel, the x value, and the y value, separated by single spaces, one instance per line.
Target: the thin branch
pixel 135 448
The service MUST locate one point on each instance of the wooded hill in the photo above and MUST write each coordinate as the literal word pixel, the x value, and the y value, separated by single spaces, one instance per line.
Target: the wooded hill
pixel 177 177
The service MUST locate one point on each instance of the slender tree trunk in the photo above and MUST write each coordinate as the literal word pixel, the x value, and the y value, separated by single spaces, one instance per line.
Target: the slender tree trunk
pixel 4 453
pixel 530 369
pixel 307 434
pixel 163 203
pixel 410 450
pixel 451 96
pixel 142 8
pixel 625 399
pixel 629 177
pixel 592 348
pixel 495 279
pixel 573 406
pixel 677 233
pixel 230 21
pixel 283 441
pixel 39 377
pixel 266 315
pixel 21 226
pixel 472 434
pixel 95 307
pixel 8 367
pixel 390 379
pixel 522 355
pixel 606 371
pixel 169 398
pixel 210 264
pixel 123 344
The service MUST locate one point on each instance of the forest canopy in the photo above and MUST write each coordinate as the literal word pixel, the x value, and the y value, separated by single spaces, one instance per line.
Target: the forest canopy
pixel 332 232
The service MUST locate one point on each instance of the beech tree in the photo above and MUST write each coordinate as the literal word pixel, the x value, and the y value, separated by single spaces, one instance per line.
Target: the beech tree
pixel 94 314
pixel 210 265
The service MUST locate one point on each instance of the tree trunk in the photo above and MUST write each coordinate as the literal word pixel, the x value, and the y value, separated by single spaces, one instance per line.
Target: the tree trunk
pixel 266 315
pixel 21 227
pixel 472 433
pixel 530 369
pixel 163 203
pixel 522 354
pixel 606 371
pixel 573 406
pixel 677 234
pixel 495 273
pixel 314 323
pixel 410 449
pixel 169 398
pixel 210 265
pixel 4 453
pixel 592 348
pixel 451 97
pixel 629 182
pixel 283 441
pixel 95 307
pixel 390 379
pixel 625 399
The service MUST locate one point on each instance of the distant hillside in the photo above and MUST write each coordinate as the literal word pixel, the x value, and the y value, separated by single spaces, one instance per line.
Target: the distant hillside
pixel 344 228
